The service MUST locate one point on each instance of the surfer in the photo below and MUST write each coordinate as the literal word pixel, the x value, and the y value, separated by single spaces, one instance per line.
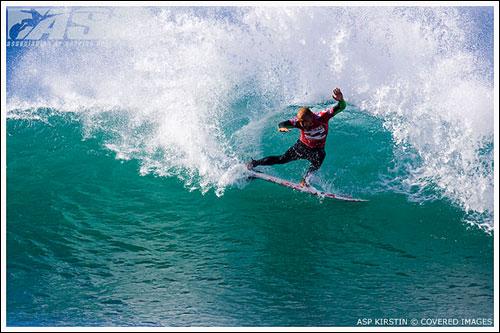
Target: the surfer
pixel 32 22
pixel 311 144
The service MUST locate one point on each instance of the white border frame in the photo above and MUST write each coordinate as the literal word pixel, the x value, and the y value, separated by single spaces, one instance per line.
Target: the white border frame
pixel 3 166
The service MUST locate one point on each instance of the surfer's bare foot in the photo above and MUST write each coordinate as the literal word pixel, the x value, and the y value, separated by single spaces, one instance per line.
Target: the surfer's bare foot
pixel 303 183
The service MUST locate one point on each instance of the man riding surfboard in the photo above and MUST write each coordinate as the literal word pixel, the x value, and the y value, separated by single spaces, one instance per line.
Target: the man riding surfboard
pixel 310 146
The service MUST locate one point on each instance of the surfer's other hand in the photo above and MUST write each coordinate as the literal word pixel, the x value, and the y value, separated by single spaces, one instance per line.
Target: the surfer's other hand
pixel 337 94
pixel 303 183
pixel 283 129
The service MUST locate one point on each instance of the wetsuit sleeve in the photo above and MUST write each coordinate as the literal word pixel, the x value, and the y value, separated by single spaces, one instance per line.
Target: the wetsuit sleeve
pixel 336 109
pixel 291 123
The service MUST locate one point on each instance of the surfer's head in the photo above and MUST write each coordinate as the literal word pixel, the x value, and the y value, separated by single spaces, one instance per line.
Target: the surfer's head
pixel 305 117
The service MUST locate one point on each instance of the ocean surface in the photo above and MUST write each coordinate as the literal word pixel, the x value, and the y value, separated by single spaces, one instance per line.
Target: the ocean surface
pixel 127 199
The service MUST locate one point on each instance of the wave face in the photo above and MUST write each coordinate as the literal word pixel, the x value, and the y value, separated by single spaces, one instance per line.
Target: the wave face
pixel 193 92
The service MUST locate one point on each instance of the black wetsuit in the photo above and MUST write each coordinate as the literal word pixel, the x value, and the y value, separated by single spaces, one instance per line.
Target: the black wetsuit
pixel 298 151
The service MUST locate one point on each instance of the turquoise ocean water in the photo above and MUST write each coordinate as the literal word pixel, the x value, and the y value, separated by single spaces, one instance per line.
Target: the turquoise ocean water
pixel 127 203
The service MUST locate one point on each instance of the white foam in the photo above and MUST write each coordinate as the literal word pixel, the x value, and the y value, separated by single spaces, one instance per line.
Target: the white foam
pixel 178 73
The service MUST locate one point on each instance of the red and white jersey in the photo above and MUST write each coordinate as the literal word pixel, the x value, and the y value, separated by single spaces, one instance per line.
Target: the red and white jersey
pixel 315 137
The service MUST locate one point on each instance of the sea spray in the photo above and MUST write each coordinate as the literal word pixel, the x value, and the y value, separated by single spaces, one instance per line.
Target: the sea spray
pixel 182 89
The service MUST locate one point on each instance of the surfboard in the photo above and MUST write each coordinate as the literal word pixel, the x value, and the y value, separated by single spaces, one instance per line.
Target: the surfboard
pixel 306 189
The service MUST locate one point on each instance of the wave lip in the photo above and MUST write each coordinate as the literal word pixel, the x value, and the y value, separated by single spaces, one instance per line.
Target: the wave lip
pixel 186 96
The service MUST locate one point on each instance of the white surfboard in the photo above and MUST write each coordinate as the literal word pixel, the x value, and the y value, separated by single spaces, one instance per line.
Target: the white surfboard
pixel 297 187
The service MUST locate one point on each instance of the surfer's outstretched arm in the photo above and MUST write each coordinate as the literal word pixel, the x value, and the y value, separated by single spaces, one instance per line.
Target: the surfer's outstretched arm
pixel 285 126
pixel 339 107
pixel 338 96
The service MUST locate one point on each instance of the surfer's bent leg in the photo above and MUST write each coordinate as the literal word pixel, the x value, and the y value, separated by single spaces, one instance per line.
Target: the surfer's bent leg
pixel 291 154
pixel 316 157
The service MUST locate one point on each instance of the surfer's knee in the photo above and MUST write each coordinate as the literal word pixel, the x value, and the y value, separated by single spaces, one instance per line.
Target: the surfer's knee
pixel 282 159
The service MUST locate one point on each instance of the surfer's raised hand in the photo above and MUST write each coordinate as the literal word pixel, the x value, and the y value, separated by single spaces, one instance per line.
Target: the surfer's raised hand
pixel 337 95
pixel 283 129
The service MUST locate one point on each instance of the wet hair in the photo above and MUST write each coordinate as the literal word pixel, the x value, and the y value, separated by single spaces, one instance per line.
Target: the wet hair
pixel 304 111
